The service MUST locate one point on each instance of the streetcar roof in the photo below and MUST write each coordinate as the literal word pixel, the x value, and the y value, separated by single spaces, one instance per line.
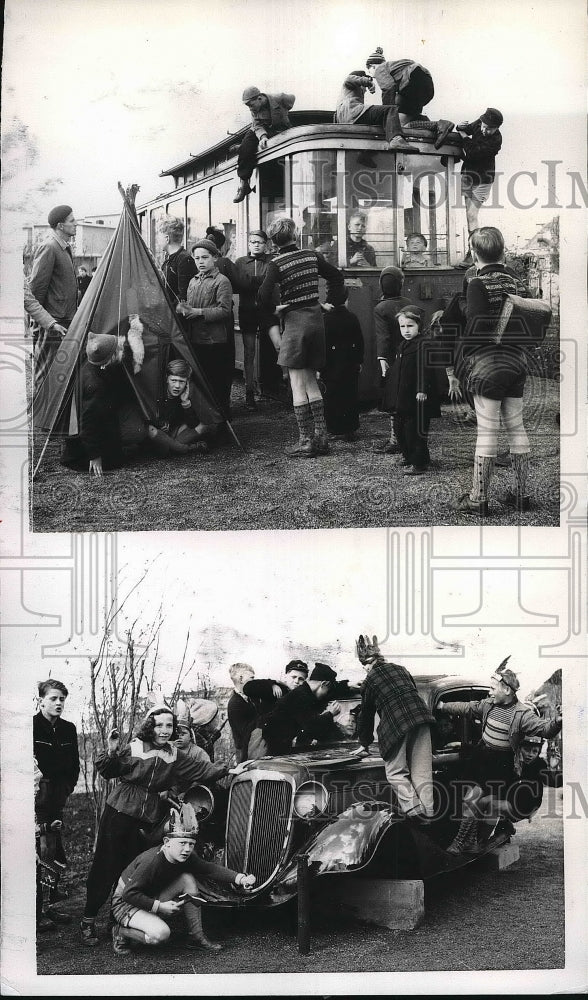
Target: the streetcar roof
pixel 230 144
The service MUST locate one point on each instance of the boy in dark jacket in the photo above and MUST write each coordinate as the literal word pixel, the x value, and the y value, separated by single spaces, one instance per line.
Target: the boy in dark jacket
pixel 55 746
pixel 388 334
pixel 481 144
pixel 411 393
pixel 344 358
pixel 250 271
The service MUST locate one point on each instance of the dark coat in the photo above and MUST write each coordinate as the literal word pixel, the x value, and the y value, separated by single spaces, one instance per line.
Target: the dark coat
pixel 102 395
pixel 297 715
pixel 390 691
pixel 56 752
pixel 241 715
pixel 480 154
pixel 410 373
pixel 387 330
pixel 178 270
pixel 344 356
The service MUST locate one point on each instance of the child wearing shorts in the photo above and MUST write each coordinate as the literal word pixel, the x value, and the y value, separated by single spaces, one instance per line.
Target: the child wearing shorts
pixel 302 350
pixel 164 881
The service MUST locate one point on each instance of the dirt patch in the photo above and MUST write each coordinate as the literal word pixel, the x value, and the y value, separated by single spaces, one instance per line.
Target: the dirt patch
pixel 467 914
pixel 259 487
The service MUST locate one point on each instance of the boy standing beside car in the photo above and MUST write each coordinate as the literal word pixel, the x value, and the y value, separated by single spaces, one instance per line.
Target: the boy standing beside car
pixel 404 733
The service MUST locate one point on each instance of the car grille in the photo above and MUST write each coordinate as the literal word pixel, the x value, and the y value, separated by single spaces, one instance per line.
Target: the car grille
pixel 258 824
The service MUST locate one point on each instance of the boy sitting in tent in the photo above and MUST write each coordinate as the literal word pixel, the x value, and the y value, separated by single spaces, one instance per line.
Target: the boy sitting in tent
pixel 180 431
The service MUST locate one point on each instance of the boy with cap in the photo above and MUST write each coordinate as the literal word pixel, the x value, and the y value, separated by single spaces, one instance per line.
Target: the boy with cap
pixel 53 285
pixel 404 729
pixel 301 715
pixel 344 358
pixel 388 335
pixel 103 390
pixel 164 881
pixel 482 141
pixel 269 114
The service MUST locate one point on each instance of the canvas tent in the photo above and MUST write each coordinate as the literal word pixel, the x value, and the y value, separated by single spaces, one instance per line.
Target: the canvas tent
pixel 126 282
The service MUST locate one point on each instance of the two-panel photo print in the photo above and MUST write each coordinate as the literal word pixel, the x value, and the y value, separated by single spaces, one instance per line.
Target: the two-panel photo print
pixel 293 453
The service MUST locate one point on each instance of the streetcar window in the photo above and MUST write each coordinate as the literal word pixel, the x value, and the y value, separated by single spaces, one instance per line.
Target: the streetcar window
pixel 197 217
pixel 175 209
pixel 422 200
pixel 370 216
pixel 223 215
pixel 157 214
pixel 314 200
pixel 272 191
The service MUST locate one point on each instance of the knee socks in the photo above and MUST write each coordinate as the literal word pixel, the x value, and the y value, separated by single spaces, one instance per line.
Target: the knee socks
pixel 520 468
pixel 483 468
pixel 303 416
pixel 318 416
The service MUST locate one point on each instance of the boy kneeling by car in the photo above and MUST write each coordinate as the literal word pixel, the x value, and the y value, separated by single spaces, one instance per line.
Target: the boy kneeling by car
pixel 164 881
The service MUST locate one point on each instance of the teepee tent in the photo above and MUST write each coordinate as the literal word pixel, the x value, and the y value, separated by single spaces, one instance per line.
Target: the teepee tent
pixel 126 284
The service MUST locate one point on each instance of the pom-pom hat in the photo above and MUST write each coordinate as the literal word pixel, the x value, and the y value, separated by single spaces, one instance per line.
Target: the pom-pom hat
pixel 376 57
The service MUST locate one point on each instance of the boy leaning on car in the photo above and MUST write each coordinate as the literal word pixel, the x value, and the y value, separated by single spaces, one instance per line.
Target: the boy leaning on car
pixel 404 730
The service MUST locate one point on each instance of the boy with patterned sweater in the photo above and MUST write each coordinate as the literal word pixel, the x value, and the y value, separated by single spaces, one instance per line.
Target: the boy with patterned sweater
pixel 302 349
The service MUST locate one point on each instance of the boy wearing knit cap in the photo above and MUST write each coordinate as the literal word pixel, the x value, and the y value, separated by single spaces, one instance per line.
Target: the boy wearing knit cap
pixel 209 307
pixel 269 115
pixel 54 287
pixel 407 86
pixel 388 335
pixel 344 358
pixel 482 141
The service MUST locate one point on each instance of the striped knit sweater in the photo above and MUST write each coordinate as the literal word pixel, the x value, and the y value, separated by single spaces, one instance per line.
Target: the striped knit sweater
pixel 497 727
pixel 297 273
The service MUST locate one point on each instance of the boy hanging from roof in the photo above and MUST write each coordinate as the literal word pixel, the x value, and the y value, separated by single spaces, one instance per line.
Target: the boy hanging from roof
pixel 163 881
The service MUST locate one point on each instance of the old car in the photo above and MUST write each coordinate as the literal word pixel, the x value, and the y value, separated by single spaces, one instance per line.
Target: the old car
pixel 337 812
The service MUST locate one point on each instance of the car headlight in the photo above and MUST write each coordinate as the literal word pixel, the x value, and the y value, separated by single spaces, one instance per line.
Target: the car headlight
pixel 202 801
pixel 311 799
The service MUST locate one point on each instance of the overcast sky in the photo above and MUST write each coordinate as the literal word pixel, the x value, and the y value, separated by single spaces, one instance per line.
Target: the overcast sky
pixel 103 90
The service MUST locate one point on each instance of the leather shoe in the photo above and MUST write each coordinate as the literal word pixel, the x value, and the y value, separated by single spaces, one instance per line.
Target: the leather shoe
pixel 466 506
pixel 202 944
pixel 388 448
pixel 243 190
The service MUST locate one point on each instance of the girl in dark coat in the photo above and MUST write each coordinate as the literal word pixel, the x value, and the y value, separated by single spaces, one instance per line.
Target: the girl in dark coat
pixel 344 357
pixel 410 393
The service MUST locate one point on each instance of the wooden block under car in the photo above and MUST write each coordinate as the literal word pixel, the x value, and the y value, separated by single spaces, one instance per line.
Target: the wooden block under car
pixel 392 903
pixel 501 857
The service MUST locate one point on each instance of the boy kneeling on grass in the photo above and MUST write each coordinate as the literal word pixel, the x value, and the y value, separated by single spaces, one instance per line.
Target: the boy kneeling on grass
pixel 163 881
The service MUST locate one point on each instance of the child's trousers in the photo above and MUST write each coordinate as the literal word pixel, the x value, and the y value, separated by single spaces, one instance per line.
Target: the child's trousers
pixel 411 432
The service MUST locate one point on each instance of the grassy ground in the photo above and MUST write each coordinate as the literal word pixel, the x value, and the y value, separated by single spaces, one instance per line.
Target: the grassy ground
pixel 474 920
pixel 260 487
